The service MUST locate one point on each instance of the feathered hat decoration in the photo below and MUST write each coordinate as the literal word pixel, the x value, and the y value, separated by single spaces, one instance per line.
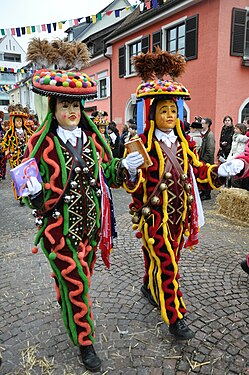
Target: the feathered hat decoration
pixel 153 68
pixel 67 79
pixel 18 110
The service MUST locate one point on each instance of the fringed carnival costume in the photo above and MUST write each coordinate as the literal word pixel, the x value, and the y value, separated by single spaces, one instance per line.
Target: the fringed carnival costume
pixel 74 212
pixel 166 202
pixel 16 138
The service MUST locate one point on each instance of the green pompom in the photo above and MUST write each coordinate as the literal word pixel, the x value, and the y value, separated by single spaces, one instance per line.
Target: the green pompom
pixel 52 256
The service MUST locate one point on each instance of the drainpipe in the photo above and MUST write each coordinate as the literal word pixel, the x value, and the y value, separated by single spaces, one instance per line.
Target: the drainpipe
pixel 110 66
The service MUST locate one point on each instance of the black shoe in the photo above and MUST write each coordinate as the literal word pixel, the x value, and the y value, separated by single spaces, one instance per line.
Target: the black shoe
pixel 148 295
pixel 90 359
pixel 244 266
pixel 180 330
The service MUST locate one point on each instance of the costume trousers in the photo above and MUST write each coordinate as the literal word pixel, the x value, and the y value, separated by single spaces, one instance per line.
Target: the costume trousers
pixel 161 257
pixel 72 270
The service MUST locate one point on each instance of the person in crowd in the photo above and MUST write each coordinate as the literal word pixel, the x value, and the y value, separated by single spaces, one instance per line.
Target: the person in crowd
pixel 132 131
pixel 186 125
pixel 195 134
pixel 246 123
pixel 3 159
pixel 226 138
pixel 5 125
pixel 102 124
pixel 165 202
pixel 239 141
pixel 72 205
pixel 124 133
pixel 16 138
pixel 207 150
pixel 198 118
pixel 116 145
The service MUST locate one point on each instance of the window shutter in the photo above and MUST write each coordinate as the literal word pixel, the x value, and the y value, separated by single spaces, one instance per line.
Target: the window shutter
pixel 238 32
pixel 191 38
pixel 156 40
pixel 146 44
pixel 121 56
pixel 108 86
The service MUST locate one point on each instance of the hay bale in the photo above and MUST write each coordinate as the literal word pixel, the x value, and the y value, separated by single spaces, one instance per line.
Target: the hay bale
pixel 234 203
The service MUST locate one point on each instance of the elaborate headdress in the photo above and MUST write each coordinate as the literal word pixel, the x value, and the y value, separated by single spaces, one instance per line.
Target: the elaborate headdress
pixel 153 69
pixel 99 119
pixel 18 111
pixel 68 79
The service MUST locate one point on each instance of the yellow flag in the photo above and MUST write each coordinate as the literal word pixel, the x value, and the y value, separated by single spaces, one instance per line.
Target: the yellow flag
pixel 94 18
pixel 28 29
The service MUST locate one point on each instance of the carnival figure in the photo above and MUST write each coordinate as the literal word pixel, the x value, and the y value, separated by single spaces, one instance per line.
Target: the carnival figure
pixel 73 206
pixel 166 208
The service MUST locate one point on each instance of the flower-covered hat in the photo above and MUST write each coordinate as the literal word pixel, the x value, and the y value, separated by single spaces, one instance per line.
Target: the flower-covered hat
pixel 67 79
pixel 153 69
pixel 18 111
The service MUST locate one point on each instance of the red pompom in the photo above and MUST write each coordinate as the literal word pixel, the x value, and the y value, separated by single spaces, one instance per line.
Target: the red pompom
pixel 139 235
pixel 35 250
pixel 72 84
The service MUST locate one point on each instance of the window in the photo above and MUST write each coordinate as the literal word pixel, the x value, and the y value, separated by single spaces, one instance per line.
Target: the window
pixel 240 33
pixel 176 39
pixel 134 49
pixel 182 37
pixel 102 88
pixel 12 57
pixel 126 53
pixel 4 102
pixel 103 85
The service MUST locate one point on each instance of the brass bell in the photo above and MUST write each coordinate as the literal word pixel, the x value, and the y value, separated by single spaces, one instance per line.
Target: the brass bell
pixel 73 184
pixel 67 198
pixel 184 177
pixel 155 201
pixel 188 187
pixel 98 192
pixel 56 214
pixel 38 221
pixel 85 170
pixel 168 175
pixel 163 186
pixel 92 182
pixel 189 208
pixel 35 213
pixel 77 170
pixel 146 211
pixel 135 219
pixel 190 198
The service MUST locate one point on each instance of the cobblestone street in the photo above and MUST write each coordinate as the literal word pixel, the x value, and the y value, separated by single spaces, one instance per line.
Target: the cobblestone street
pixel 130 336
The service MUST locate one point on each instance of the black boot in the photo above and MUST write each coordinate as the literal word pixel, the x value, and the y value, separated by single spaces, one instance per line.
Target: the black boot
pixel 180 330
pixel 244 266
pixel 148 295
pixel 90 359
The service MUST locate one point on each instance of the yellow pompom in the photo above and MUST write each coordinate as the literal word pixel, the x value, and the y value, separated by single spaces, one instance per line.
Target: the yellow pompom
pixel 187 233
pixel 134 226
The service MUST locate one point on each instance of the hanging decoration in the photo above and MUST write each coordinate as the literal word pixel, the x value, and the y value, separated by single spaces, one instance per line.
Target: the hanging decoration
pixel 53 26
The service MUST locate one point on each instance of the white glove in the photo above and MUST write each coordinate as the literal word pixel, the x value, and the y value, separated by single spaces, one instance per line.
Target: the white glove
pixel 33 187
pixel 132 162
pixel 231 168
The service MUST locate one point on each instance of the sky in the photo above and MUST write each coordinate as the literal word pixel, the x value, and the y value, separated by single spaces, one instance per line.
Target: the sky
pixel 20 13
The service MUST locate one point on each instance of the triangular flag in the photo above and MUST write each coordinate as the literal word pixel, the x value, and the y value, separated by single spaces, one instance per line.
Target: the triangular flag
pixel 109 12
pixel 38 28
pixel 18 31
pixel 76 22
pixel 88 19
pixel 13 31
pixel 94 19
pixel 33 29
pixel 2 32
pixel 60 25
pixel 70 22
pixel 43 27
pixel 99 16
pixel 154 4
pixel 28 30
pixel 117 13
pixel 23 30
pixel 54 26
pixel 49 27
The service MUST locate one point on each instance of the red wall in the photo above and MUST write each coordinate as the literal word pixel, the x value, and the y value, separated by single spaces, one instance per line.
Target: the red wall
pixel 217 81
pixel 101 104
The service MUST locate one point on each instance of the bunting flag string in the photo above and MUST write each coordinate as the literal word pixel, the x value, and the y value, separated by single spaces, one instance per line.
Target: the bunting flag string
pixel 53 26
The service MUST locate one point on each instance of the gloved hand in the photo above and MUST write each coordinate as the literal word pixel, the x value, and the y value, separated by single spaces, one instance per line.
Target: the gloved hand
pixel 113 137
pixel 132 162
pixel 231 168
pixel 33 186
pixel 222 159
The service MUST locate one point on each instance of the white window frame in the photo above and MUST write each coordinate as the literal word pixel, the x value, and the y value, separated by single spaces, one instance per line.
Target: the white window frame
pixel 168 26
pixel 103 76
pixel 127 55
